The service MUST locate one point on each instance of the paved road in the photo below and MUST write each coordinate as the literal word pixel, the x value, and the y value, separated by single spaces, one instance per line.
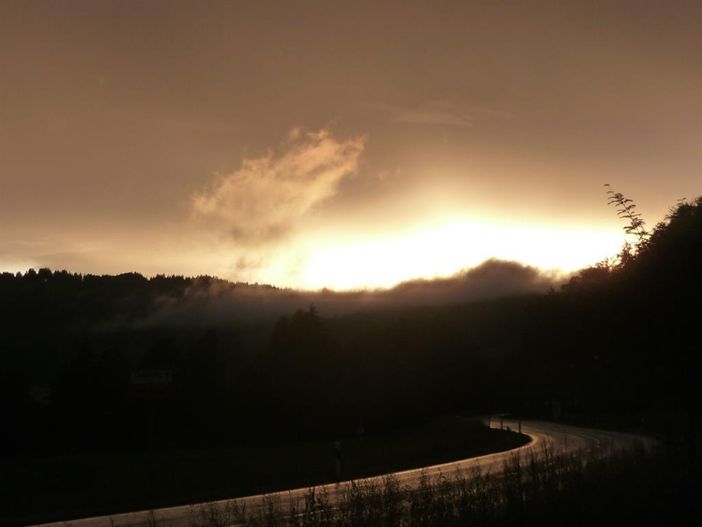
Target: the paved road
pixel 559 438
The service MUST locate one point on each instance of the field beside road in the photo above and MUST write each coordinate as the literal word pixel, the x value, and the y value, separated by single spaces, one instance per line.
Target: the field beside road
pixel 555 457
pixel 51 489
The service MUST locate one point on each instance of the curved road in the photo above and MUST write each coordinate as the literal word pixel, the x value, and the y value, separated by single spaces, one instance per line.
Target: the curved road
pixel 559 438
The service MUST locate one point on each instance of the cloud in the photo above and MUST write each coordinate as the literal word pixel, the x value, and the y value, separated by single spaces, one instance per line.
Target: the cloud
pixel 214 303
pixel 439 113
pixel 262 200
pixel 435 113
pixel 491 279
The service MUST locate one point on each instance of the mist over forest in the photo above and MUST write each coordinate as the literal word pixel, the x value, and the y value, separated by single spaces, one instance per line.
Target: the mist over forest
pixel 308 264
pixel 614 339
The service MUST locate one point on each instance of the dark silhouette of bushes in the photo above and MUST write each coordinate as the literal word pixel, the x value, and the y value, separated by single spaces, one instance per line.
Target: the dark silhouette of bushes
pixel 617 346
pixel 620 339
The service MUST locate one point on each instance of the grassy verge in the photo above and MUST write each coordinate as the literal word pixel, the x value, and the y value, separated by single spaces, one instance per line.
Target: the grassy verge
pixel 76 486
pixel 627 488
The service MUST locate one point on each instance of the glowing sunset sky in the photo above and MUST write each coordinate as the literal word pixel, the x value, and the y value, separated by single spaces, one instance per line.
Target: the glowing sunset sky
pixel 313 144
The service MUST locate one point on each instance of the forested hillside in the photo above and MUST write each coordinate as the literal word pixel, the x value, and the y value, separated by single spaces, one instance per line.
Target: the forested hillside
pixel 619 339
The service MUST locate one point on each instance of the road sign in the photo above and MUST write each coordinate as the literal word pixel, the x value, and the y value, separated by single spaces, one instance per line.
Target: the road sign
pixel 152 377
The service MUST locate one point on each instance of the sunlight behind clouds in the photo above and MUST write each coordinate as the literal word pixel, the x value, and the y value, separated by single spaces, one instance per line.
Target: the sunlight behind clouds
pixel 438 250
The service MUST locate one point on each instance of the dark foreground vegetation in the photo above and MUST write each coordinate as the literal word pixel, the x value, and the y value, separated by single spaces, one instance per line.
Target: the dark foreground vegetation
pixel 632 487
pixel 615 346
pixel 49 489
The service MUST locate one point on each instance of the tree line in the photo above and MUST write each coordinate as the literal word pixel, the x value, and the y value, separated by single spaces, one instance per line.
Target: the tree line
pixel 619 339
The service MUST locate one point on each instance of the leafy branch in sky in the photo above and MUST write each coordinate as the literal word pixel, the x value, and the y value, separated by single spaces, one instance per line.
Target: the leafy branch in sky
pixel 626 208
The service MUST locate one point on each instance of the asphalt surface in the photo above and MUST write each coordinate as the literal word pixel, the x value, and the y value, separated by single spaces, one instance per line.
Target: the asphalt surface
pixel 544 435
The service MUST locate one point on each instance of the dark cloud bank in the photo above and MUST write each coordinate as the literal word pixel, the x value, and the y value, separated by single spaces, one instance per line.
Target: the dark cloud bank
pixel 215 303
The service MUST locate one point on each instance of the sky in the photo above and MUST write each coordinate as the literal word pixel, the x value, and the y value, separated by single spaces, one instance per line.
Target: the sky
pixel 339 144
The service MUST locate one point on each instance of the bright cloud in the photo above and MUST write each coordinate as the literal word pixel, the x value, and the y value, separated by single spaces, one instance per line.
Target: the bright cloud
pixel 263 200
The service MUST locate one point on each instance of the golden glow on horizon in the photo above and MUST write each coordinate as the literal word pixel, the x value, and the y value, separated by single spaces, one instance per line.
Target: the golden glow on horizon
pixel 441 250
pixel 347 260
pixel 16 267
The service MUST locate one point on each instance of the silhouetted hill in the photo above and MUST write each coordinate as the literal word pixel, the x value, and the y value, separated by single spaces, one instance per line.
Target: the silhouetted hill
pixel 619 339
pixel 620 342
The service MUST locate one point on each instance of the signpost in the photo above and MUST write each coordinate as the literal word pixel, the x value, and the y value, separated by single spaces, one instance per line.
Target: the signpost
pixel 151 385
pixel 337 460
pixel 152 377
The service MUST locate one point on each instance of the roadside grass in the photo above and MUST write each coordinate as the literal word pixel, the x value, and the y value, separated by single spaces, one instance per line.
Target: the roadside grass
pixel 61 488
pixel 632 487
